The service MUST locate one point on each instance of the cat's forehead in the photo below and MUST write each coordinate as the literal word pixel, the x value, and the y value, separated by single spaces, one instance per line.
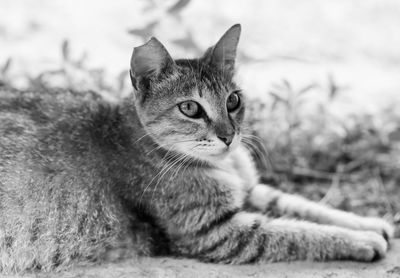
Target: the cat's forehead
pixel 204 82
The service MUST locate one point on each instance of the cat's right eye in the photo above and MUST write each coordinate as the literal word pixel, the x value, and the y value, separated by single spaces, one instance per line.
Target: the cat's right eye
pixel 190 109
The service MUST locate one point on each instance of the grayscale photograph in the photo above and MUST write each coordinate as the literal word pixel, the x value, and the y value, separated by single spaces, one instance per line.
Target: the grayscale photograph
pixel 199 138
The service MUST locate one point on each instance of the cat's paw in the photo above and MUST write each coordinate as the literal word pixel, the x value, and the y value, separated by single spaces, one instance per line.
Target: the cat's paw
pixel 367 246
pixel 377 225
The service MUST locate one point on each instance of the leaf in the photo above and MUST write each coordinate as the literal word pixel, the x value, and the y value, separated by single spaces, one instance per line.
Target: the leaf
pixel 6 67
pixel 307 89
pixel 334 88
pixel 145 32
pixel 121 80
pixel 278 98
pixel 178 7
pixel 287 84
pixel 66 50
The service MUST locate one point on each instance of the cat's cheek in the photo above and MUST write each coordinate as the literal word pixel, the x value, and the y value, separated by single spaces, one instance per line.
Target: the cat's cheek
pixel 186 148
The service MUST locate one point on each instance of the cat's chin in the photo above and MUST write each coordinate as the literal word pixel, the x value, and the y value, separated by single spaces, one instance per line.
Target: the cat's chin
pixel 212 155
pixel 218 157
pixel 214 158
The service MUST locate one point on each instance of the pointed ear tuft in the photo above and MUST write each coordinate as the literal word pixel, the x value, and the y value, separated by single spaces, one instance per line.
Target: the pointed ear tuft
pixel 222 56
pixel 149 61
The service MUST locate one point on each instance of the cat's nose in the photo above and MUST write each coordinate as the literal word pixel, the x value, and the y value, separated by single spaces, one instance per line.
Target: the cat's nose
pixel 227 139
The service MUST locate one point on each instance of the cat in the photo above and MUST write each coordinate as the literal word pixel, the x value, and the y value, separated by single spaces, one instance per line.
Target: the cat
pixel 162 172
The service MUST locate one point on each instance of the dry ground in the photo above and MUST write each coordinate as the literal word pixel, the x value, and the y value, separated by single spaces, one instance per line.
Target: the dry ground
pixel 168 267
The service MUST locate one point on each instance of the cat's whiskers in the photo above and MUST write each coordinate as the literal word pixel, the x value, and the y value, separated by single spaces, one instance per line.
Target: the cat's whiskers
pixel 174 156
pixel 191 158
pixel 141 138
pixel 255 150
pixel 166 170
pixel 183 161
pixel 259 149
pixel 159 147
pixel 183 166
pixel 265 151
pixel 170 162
pixel 171 144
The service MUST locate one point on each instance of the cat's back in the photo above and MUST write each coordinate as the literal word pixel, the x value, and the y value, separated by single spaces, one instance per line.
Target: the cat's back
pixel 56 126
pixel 22 114
pixel 40 107
pixel 26 114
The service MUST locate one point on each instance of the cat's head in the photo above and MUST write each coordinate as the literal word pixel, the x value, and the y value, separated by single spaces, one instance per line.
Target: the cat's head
pixel 190 106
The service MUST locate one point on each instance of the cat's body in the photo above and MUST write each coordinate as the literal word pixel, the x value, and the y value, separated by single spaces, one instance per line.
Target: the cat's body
pixel 82 179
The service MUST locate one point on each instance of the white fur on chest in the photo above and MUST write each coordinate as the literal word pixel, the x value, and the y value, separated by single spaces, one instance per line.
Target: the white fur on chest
pixel 237 172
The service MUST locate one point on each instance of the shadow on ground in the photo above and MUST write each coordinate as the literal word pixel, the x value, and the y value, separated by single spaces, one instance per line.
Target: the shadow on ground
pixel 167 267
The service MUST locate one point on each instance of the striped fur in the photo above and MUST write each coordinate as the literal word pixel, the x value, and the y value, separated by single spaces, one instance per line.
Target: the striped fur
pixel 83 180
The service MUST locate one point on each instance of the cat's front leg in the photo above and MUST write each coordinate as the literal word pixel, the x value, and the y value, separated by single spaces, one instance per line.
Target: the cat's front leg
pixel 265 199
pixel 338 243
pixel 244 237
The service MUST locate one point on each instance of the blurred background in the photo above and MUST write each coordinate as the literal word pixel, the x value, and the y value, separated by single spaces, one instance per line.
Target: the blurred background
pixel 323 77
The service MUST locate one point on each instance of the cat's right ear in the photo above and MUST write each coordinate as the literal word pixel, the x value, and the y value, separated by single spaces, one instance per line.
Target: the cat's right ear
pixel 222 56
pixel 150 62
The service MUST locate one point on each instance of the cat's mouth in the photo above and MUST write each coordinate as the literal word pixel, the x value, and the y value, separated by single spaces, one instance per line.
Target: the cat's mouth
pixel 215 151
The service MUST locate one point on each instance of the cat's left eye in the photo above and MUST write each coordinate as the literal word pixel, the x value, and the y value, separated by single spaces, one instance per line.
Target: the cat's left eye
pixel 233 101
pixel 190 108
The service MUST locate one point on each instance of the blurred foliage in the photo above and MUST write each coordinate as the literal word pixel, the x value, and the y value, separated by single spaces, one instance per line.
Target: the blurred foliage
pixel 350 163
pixel 169 12
pixel 73 74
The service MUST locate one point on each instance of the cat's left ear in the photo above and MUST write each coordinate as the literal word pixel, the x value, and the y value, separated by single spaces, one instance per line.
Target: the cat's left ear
pixel 150 62
pixel 222 56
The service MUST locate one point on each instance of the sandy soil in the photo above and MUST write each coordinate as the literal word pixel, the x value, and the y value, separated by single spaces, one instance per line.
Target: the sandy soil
pixel 168 267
